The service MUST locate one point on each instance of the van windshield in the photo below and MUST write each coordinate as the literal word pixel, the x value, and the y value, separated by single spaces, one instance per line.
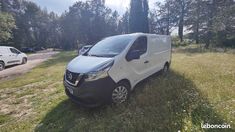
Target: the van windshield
pixel 110 47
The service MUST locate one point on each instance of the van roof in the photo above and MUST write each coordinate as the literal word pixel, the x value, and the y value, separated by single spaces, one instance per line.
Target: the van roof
pixel 6 47
pixel 139 34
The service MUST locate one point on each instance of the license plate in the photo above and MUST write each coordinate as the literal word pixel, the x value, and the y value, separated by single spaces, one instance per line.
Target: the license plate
pixel 70 90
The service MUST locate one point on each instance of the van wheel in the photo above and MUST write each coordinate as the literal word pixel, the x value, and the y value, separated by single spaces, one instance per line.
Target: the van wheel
pixel 120 93
pixel 24 61
pixel 2 66
pixel 165 68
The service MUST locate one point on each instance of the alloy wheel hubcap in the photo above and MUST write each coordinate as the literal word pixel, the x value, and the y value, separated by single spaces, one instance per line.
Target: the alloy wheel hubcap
pixel 119 94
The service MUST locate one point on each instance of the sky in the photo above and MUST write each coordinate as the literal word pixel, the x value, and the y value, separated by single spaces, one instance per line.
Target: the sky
pixel 59 6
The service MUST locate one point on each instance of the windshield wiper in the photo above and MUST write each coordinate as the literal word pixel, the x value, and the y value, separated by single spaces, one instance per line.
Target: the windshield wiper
pixel 96 55
pixel 102 55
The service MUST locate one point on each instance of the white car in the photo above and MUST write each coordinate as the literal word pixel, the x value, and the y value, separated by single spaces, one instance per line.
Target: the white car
pixel 112 67
pixel 11 56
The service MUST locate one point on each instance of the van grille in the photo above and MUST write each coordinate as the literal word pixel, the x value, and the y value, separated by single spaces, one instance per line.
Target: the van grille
pixel 73 78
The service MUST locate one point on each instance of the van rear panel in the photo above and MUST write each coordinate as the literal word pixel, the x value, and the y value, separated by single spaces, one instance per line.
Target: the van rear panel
pixel 159 43
pixel 160 49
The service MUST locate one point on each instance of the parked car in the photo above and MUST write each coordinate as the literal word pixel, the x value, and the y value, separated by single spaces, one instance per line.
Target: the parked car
pixel 38 49
pixel 84 49
pixel 11 56
pixel 28 50
pixel 112 67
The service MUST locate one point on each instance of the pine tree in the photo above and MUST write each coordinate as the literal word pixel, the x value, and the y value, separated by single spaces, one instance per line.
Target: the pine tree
pixel 123 24
pixel 145 16
pixel 138 20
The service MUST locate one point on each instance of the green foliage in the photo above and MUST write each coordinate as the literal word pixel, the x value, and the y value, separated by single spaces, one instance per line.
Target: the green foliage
pixel 4 119
pixel 35 27
pixel 163 18
pixel 177 43
pixel 229 42
pixel 86 23
pixel 123 24
pixel 207 21
pixel 7 23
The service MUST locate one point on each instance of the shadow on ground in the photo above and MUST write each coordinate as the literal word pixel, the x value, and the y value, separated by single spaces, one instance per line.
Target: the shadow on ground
pixel 8 67
pixel 159 103
pixel 198 49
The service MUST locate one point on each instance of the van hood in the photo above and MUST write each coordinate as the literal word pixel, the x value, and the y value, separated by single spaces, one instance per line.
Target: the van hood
pixel 85 64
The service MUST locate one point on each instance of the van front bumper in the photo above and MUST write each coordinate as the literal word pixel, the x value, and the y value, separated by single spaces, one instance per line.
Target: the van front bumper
pixel 91 93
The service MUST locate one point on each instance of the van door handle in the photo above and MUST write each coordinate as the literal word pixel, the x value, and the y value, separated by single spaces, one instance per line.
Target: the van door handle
pixel 146 62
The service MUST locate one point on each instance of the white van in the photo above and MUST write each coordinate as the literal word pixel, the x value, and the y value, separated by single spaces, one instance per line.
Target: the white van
pixel 11 56
pixel 112 67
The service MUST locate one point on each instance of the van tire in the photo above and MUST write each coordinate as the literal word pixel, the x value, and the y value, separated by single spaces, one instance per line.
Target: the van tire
pixel 24 60
pixel 165 68
pixel 120 93
pixel 2 66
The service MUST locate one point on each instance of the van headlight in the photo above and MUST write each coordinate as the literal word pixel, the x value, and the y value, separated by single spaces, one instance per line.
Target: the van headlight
pixel 100 72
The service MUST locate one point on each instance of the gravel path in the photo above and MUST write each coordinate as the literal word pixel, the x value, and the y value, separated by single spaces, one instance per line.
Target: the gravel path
pixel 33 60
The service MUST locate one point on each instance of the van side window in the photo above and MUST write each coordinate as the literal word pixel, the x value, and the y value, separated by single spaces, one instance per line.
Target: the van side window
pixel 14 51
pixel 140 45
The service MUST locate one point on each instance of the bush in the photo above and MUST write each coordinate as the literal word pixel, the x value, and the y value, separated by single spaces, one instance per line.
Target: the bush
pixel 176 42
pixel 230 42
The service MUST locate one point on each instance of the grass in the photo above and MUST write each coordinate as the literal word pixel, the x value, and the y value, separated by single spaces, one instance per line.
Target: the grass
pixel 200 88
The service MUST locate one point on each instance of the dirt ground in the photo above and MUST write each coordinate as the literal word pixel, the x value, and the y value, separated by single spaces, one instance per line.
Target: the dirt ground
pixel 33 60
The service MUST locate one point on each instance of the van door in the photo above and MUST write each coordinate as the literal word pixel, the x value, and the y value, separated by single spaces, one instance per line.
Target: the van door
pixel 14 56
pixel 139 67
pixel 18 56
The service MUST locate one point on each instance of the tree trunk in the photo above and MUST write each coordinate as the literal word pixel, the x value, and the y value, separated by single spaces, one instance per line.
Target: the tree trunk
pixel 197 24
pixel 181 28
pixel 168 21
pixel 209 24
pixel 197 37
pixel 181 25
pixel 197 31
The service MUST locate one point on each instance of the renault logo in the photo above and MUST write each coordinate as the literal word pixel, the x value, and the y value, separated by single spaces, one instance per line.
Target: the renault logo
pixel 70 76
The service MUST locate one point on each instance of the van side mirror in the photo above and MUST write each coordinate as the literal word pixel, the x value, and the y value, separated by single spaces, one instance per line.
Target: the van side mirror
pixel 133 55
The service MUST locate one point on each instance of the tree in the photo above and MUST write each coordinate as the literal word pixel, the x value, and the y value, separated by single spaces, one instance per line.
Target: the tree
pixel 145 16
pixel 211 21
pixel 195 18
pixel 7 23
pixel 25 24
pixel 182 7
pixel 123 24
pixel 87 22
pixel 54 31
pixel 138 19
pixel 112 23
pixel 34 27
pixel 223 26
pixel 163 18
